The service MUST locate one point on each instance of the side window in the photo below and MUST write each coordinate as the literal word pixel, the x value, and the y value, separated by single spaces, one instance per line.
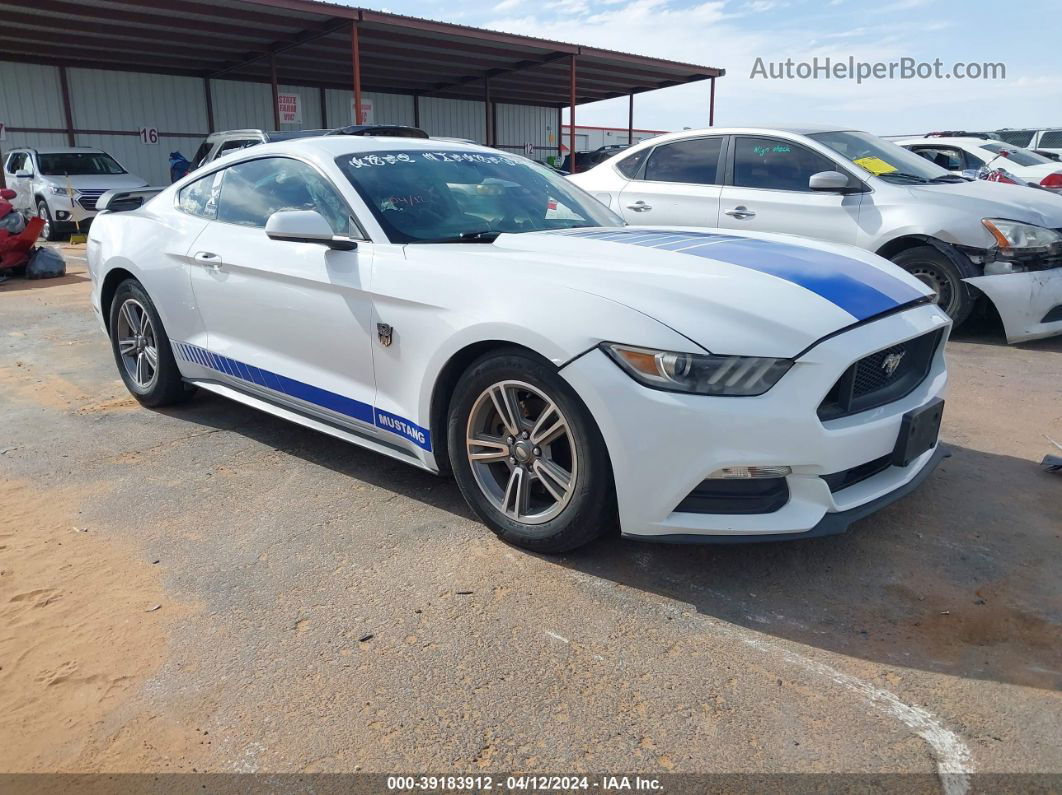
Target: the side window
pixel 200 198
pixel 201 152
pixel 945 157
pixel 1052 139
pixel 1017 137
pixel 14 162
pixel 234 145
pixel 254 190
pixel 774 164
pixel 629 165
pixel 972 160
pixel 695 161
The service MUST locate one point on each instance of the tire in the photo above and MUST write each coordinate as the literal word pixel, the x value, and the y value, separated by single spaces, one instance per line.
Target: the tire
pixel 49 232
pixel 553 517
pixel 942 276
pixel 163 386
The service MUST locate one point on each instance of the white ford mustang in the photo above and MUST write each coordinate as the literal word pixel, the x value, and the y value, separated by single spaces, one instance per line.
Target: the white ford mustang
pixel 468 311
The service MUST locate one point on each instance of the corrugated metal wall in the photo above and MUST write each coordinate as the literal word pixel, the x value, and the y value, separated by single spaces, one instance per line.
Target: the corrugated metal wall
pixel 104 100
pixel 519 125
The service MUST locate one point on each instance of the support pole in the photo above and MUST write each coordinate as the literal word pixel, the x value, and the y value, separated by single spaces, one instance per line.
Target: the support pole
pixel 571 115
pixel 324 108
pixel 276 90
pixel 355 53
pixel 488 133
pixel 630 121
pixel 560 135
pixel 416 110
pixel 711 105
pixel 64 87
pixel 209 97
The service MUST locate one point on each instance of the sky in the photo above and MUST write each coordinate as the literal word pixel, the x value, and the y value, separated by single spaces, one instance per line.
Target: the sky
pixel 732 34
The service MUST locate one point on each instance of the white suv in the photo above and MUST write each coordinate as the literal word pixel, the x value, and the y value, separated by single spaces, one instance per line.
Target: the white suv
pixel 62 184
pixel 845 186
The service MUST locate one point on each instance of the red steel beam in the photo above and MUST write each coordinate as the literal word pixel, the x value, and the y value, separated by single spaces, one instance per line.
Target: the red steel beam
pixel 276 90
pixel 68 114
pixel 630 121
pixel 711 104
pixel 355 54
pixel 571 116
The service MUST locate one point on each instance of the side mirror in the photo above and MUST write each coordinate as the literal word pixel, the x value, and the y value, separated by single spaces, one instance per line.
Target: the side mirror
pixel 23 174
pixel 305 226
pixel 829 181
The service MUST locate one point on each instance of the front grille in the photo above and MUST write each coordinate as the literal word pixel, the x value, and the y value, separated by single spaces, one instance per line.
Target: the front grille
pixel 882 377
pixel 89 197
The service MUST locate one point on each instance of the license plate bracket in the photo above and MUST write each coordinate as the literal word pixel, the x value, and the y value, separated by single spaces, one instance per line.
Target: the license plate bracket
pixel 919 430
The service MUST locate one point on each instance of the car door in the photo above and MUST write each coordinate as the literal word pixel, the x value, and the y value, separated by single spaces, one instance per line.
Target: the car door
pixel 677 185
pixel 18 161
pixel 767 191
pixel 287 320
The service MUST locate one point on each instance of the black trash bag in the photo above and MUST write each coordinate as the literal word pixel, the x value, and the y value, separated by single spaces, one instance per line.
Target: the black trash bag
pixel 45 263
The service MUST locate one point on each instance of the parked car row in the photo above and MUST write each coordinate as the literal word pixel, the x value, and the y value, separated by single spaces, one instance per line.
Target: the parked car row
pixel 962 238
pixel 967 155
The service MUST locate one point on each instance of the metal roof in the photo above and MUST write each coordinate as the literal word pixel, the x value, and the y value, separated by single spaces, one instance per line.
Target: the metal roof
pixel 312 44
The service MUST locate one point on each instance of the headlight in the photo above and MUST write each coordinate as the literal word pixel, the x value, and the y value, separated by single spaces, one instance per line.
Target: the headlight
pixel 1016 235
pixel 699 373
pixel 59 190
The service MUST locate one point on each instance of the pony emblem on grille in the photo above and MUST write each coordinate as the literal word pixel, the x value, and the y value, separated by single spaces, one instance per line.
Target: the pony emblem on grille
pixel 892 361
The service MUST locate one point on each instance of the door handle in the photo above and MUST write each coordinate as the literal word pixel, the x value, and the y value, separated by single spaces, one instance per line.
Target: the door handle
pixel 639 206
pixel 207 260
pixel 741 211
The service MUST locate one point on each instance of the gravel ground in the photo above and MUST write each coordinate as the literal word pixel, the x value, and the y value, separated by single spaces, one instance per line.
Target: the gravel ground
pixel 328 609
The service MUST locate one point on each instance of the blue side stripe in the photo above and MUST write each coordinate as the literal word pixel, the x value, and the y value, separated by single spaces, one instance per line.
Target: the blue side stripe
pixel 308 393
pixel 856 287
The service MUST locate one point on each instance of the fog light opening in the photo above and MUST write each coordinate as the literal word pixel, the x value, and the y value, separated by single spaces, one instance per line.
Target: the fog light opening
pixel 750 473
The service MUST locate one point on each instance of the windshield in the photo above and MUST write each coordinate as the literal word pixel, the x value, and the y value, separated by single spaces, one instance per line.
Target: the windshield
pixel 84 163
pixel 424 196
pixel 1017 155
pixel 879 157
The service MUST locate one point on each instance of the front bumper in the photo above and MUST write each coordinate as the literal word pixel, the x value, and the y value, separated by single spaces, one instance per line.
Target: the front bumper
pixel 1025 301
pixel 73 213
pixel 662 445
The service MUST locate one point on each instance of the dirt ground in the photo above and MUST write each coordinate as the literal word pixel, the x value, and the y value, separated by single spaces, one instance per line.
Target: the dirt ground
pixel 211 589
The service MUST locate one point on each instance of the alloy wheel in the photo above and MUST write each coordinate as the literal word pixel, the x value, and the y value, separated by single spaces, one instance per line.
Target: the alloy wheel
pixel 137 343
pixel 521 451
pixel 46 230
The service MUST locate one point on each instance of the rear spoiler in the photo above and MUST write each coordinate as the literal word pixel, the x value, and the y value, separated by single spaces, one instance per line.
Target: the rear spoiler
pixel 117 201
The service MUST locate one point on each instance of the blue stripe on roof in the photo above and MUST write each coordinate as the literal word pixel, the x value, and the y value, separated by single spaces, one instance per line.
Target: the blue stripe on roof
pixel 307 393
pixel 855 286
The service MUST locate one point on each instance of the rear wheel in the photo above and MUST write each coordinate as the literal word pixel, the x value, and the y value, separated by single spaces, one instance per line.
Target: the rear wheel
pixel 142 349
pixel 942 277
pixel 527 455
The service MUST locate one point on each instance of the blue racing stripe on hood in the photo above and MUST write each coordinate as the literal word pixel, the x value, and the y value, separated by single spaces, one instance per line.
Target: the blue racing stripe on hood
pixel 855 286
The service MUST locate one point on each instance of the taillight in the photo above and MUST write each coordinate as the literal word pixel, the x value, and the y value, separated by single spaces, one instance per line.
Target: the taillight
pixel 1052 181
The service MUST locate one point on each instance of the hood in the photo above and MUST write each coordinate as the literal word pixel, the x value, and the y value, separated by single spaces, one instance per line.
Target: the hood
pixel 752 295
pixel 98 181
pixel 983 199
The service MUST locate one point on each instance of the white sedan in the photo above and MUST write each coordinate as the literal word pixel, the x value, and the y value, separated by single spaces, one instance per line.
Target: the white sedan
pixel 468 311
pixel 965 155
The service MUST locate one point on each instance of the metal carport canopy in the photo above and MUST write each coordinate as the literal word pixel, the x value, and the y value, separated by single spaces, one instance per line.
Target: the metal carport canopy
pixel 311 43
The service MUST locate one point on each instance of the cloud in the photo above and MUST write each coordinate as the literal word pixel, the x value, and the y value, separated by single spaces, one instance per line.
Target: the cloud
pixel 732 35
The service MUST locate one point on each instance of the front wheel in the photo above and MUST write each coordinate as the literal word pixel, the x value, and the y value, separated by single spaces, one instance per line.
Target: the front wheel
pixel 942 277
pixel 142 349
pixel 527 456
pixel 48 231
